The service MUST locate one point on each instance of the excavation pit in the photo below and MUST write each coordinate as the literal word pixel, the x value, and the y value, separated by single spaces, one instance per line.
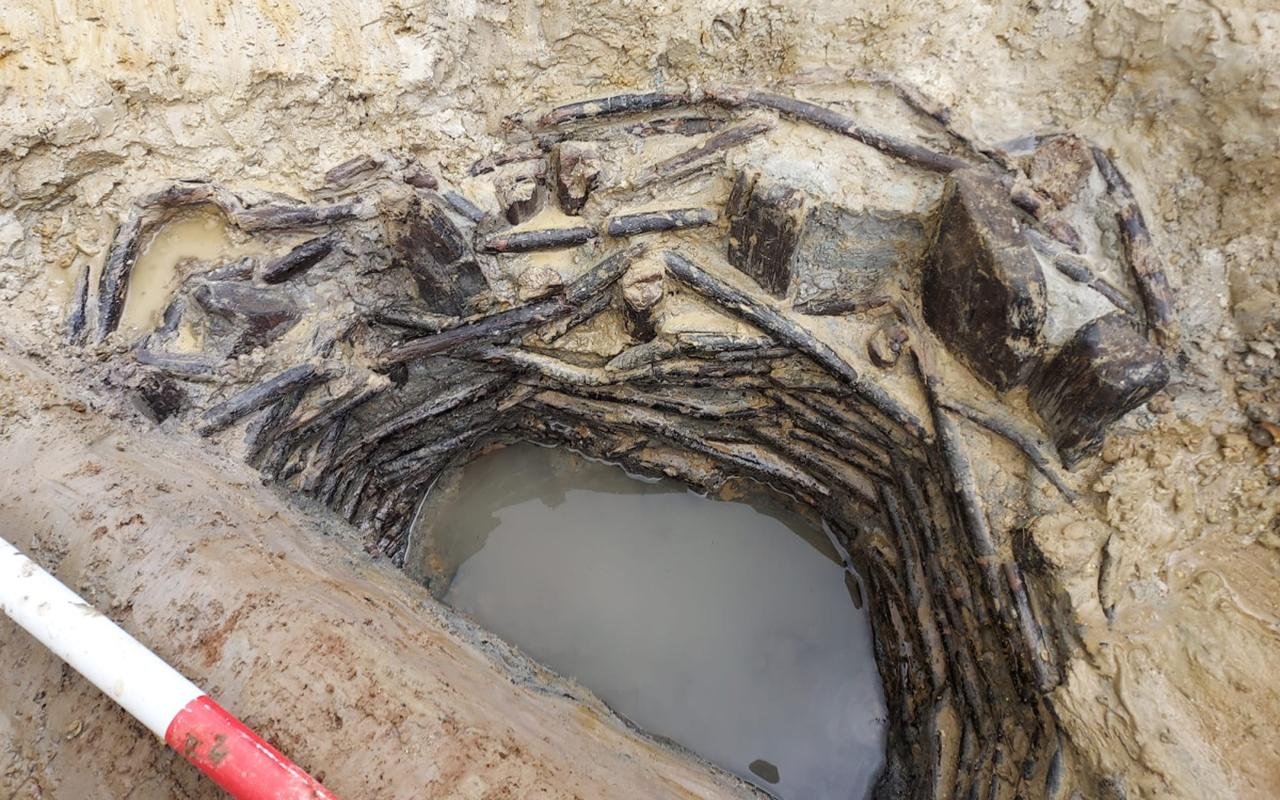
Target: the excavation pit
pixel 891 359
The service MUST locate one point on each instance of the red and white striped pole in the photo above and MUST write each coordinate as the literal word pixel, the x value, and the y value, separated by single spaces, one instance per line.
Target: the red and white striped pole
pixel 153 692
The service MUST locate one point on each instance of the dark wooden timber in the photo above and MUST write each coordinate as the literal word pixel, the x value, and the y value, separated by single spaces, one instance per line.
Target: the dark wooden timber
pixel 299 259
pixel 1139 252
pixel 113 285
pixel 77 319
pixel 1077 269
pixel 259 396
pixel 548 239
pixel 822 117
pixel 691 159
pixel 653 221
pixel 506 324
pixel 615 105
pixel 281 217
pixel 787 332
pixel 463 206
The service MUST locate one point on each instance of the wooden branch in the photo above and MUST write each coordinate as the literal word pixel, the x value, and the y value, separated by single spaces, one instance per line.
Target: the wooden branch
pixel 259 396
pixel 1139 251
pixel 1032 446
pixel 1077 269
pixel 656 221
pixel 690 159
pixel 547 239
pixel 822 117
pixel 77 318
pixel 603 107
pixel 771 321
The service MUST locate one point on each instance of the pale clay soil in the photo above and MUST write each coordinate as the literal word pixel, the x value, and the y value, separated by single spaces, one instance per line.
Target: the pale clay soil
pixel 1173 571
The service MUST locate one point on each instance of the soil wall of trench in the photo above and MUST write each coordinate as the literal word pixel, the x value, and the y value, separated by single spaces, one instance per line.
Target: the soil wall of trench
pixel 1169 572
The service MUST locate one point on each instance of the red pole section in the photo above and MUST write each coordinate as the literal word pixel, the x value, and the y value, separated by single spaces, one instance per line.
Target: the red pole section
pixel 154 693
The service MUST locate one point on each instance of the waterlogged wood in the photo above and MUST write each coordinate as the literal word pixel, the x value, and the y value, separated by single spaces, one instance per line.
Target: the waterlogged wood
pixel 77 319
pixel 1021 436
pixel 259 396
pixel 788 333
pixel 615 105
pixel 299 259
pixel 655 221
pixel 1139 251
pixel 113 284
pixel 187 366
pixel 263 430
pixel 463 206
pixel 752 459
pixel 474 330
pixel 1077 269
pixel 691 159
pixel 529 241
pixel 434 406
pixel 415 319
pixel 282 217
pixel 822 117
pixel 506 324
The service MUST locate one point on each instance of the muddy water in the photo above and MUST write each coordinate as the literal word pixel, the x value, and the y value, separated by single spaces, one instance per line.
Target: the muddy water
pixel 200 235
pixel 725 627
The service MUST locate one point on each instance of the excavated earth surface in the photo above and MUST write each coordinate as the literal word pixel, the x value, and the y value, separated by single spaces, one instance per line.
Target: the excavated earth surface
pixel 1057 614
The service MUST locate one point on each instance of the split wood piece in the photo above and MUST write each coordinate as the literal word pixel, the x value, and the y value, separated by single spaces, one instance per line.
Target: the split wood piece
pixel 939 113
pixel 977 525
pixel 840 439
pixel 401 316
pixel 692 159
pixel 546 239
pixel 752 459
pixel 259 396
pixel 655 221
pixel 915 584
pixel 113 284
pixel 263 430
pixel 467 416
pixel 822 117
pixel 348 171
pixel 434 406
pixel 506 324
pixel 1139 252
pixel 552 331
pixel 299 259
pixel 1032 446
pixel 788 333
pixel 524 151
pixel 699 403
pixel 187 366
pixel 77 319
pixel 305 426
pixel 958 633
pixel 463 206
pixel 282 217
pixel 1077 269
pixel 833 472
pixel 490 327
pixel 320 457
pixel 1042 209
pixel 1042 656
pixel 616 105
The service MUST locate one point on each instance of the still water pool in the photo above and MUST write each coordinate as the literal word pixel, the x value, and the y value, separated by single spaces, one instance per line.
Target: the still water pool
pixel 728 627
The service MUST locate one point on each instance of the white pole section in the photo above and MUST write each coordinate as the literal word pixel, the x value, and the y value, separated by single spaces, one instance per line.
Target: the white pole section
pixel 154 693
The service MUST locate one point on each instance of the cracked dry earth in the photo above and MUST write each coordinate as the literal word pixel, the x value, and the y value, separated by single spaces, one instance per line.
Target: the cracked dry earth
pixel 992 290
